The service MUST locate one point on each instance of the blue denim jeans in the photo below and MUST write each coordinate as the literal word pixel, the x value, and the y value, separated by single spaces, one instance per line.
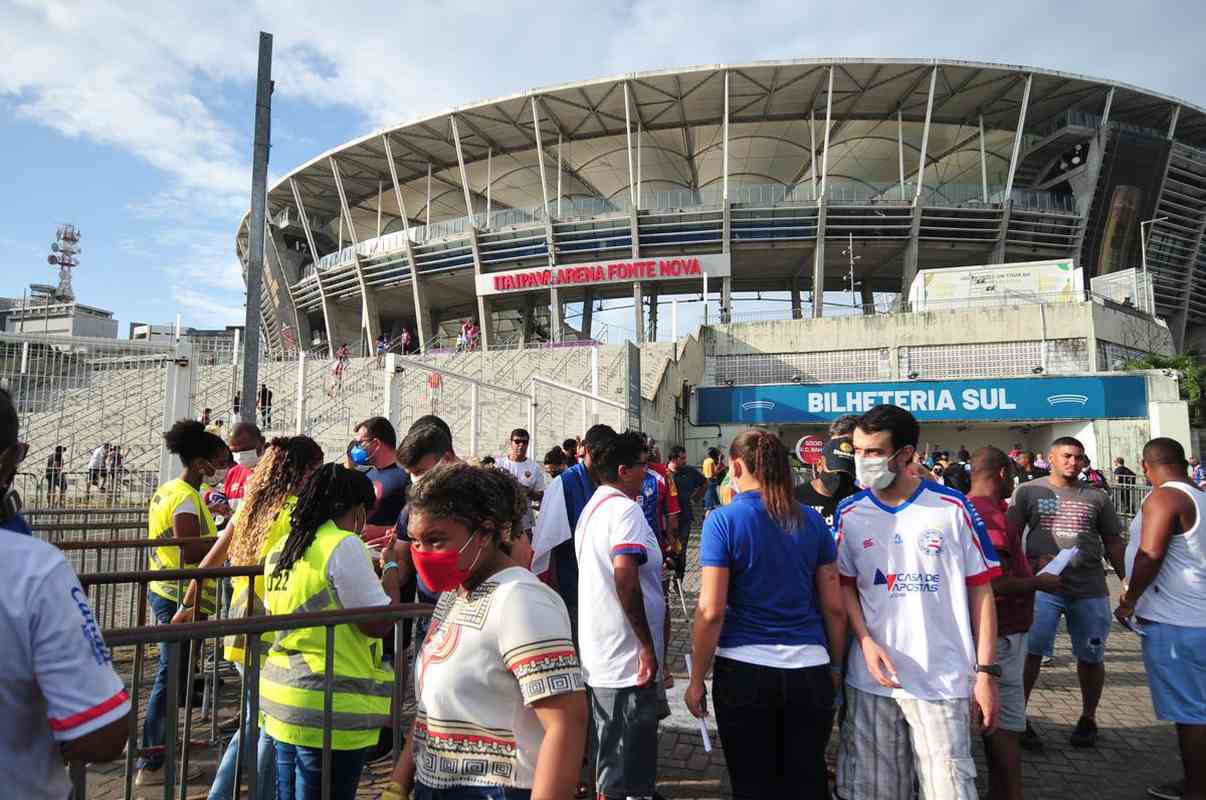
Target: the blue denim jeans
pixel 471 793
pixel 299 772
pixel 224 778
pixel 153 732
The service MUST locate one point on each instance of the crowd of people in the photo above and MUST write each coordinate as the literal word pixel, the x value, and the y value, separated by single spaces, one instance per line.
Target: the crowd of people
pixel 909 600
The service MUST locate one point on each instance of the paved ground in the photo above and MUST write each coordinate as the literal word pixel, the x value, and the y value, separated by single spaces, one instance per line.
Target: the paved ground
pixel 1134 751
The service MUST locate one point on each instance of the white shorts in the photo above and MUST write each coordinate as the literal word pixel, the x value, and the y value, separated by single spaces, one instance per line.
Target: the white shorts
pixel 886 741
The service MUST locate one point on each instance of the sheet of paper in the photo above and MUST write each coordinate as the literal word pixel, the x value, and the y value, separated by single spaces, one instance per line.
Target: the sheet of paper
pixel 703 721
pixel 1058 564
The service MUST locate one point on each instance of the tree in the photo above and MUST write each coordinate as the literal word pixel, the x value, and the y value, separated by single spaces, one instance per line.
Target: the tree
pixel 1192 376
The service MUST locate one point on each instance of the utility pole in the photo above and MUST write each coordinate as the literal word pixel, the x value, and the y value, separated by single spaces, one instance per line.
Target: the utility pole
pixel 849 253
pixel 255 233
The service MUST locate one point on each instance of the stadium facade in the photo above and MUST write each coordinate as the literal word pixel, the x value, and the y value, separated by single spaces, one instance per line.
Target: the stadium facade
pixel 524 212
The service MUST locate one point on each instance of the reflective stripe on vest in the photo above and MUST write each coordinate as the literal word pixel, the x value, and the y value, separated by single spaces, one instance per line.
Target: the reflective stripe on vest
pixel 167 499
pixel 293 678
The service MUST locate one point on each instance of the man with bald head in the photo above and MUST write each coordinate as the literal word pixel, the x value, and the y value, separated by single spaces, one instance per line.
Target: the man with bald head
pixel 991 479
pixel 247 445
pixel 1165 600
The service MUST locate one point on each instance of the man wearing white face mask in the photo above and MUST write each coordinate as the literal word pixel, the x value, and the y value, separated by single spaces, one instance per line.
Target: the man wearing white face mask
pixel 916 566
pixel 247 446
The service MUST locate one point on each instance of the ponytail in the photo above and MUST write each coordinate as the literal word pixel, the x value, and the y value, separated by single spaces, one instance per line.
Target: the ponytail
pixel 766 459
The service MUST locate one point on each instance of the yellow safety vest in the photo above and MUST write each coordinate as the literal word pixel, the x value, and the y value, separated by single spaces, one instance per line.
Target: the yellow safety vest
pixel 238 605
pixel 167 499
pixel 294 675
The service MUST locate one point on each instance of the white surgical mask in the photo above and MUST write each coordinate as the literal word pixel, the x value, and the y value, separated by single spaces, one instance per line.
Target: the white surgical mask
pixel 246 458
pixel 873 473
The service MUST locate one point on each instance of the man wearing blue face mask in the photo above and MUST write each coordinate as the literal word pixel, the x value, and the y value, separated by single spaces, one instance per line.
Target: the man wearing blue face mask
pixel 374 452
pixel 916 565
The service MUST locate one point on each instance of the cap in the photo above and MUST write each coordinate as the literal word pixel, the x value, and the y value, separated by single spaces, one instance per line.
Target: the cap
pixel 839 455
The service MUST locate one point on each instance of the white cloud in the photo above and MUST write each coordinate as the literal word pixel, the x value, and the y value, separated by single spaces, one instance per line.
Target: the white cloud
pixel 171 84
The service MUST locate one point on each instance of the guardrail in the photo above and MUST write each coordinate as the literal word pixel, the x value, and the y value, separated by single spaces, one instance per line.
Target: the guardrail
pixel 176 757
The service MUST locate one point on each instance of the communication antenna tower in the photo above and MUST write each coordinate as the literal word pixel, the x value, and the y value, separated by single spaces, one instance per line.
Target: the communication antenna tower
pixel 63 252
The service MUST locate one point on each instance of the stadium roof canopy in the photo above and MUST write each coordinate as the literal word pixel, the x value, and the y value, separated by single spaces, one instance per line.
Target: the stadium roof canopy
pixel 878 107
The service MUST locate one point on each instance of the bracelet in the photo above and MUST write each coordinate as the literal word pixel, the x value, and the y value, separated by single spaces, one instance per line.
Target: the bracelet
pixel 184 607
pixel 388 565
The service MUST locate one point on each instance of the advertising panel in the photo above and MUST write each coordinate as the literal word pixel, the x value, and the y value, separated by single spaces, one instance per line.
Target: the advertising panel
pixel 718 265
pixel 1028 399
pixel 1053 281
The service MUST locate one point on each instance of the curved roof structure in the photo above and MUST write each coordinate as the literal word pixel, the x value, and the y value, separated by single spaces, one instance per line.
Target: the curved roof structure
pixel 921 131
pixel 680 114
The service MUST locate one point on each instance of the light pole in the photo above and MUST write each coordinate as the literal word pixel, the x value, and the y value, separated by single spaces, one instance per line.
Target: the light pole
pixel 1151 301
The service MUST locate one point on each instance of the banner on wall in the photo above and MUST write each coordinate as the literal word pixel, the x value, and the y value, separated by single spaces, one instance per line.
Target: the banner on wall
pixel 1056 280
pixel 1028 399
pixel 671 268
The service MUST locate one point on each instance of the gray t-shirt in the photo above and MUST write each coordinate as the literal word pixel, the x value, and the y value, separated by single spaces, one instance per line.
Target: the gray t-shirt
pixel 1057 518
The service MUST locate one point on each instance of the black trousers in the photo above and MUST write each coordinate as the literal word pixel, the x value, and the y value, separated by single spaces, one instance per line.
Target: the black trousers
pixel 774 725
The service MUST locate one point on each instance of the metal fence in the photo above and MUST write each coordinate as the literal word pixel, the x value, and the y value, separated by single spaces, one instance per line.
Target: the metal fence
pixel 79 394
pixel 204 640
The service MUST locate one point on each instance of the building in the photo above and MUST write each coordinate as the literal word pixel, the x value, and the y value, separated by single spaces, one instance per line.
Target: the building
pixel 212 345
pixel 47 316
pixel 525 211
pixel 1020 373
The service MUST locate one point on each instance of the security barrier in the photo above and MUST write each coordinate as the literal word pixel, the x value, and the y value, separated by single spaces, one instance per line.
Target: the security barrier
pixel 176 757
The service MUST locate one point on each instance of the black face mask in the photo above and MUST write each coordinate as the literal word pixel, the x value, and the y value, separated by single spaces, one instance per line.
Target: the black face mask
pixel 834 482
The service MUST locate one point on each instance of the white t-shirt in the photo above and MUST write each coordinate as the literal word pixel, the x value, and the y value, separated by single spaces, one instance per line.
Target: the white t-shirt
pixel 612 524
pixel 912 565
pixel 486 659
pixel 530 476
pixel 59 682
pixel 350 573
pixel 97 460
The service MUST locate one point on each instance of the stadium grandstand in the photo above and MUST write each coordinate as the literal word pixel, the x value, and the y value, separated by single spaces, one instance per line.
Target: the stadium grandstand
pixel 526 212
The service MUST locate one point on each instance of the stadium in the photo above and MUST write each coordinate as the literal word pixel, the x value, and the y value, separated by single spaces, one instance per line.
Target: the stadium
pixel 527 212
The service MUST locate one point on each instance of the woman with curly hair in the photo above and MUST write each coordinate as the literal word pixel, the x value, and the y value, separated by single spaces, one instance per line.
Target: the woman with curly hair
pixel 262 520
pixel 322 565
pixel 501 705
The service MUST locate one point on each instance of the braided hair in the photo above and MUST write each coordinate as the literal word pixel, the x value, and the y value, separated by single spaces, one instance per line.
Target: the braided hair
pixel 332 492
pixel 279 474
pixel 480 498
pixel 766 459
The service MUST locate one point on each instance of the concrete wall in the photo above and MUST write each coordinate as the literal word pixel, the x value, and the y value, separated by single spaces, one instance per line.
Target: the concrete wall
pixel 964 326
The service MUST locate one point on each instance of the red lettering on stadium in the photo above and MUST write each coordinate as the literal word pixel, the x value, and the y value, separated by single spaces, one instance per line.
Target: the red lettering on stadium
pixel 585 274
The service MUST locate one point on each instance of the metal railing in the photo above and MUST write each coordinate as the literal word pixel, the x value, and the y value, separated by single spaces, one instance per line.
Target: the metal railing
pixel 198 635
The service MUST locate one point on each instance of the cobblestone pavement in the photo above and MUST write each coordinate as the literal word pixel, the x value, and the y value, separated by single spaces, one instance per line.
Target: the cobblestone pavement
pixel 1134 751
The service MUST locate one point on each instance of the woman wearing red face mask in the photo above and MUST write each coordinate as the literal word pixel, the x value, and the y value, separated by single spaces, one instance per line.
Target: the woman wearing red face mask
pixel 497 679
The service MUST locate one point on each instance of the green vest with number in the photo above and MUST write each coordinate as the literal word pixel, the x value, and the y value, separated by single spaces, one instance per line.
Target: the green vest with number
pixel 246 590
pixel 167 499
pixel 294 674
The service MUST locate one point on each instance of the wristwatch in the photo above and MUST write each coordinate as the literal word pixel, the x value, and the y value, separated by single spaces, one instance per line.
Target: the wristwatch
pixel 989 669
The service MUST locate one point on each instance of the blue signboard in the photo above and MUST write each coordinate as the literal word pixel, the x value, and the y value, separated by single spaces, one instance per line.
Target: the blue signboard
pixel 1030 399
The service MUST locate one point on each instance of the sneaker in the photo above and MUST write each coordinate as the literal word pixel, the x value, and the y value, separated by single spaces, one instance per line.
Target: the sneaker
pixel 1085 734
pixel 154 777
pixel 1030 740
pixel 1048 661
pixel 1167 791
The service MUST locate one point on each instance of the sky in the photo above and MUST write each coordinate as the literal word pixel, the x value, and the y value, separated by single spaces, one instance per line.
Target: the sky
pixel 133 121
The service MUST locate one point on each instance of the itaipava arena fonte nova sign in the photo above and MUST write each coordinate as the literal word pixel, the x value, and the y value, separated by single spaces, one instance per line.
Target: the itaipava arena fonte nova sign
pixel 595 273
